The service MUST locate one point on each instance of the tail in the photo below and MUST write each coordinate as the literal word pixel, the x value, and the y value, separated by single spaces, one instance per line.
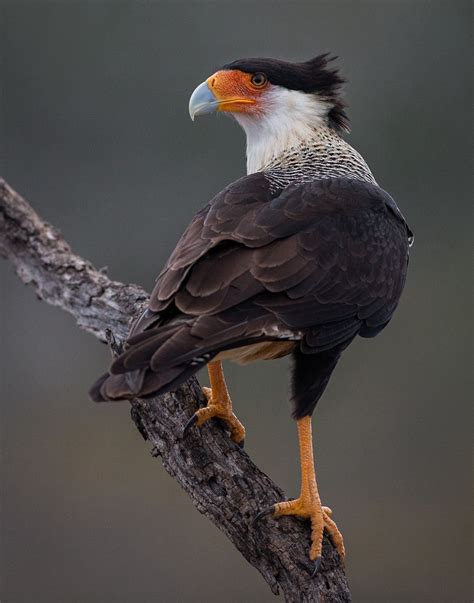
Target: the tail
pixel 158 360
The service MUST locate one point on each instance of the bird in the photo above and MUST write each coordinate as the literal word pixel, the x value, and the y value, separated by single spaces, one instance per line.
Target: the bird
pixel 296 258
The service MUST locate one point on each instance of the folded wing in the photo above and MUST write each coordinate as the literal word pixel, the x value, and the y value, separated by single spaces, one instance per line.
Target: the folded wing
pixel 316 264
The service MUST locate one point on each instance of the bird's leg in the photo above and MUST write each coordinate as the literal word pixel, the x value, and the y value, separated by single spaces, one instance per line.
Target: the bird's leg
pixel 219 404
pixel 308 505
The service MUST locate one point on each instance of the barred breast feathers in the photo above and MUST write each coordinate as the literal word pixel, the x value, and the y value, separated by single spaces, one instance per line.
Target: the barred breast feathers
pixel 325 155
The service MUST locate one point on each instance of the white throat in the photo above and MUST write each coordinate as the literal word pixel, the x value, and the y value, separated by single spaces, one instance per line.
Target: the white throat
pixel 290 119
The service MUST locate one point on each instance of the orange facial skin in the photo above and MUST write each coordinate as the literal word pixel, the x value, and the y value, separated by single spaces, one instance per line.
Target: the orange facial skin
pixel 235 91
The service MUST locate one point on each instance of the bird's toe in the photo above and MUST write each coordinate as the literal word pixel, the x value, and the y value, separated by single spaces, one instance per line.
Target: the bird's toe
pixel 259 516
pixel 192 421
pixel 317 565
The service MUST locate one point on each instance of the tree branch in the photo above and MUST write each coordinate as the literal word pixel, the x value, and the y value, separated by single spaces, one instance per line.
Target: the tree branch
pixel 220 478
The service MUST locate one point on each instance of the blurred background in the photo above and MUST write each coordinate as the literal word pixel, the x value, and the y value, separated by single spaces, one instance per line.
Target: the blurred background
pixel 95 133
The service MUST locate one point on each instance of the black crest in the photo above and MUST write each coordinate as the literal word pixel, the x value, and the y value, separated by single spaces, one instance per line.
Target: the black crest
pixel 313 76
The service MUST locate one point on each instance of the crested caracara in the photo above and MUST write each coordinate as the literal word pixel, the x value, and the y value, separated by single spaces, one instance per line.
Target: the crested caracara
pixel 297 258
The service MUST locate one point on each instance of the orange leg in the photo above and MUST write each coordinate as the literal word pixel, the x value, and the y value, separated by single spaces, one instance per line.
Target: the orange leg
pixel 308 505
pixel 219 404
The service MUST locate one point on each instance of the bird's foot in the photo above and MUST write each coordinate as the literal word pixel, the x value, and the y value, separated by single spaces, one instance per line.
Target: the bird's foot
pixel 320 517
pixel 221 408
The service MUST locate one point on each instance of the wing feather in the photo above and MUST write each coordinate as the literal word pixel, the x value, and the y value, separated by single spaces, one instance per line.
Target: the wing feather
pixel 338 244
pixel 319 262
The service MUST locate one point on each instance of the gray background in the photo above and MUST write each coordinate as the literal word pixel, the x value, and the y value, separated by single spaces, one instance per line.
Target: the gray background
pixel 95 133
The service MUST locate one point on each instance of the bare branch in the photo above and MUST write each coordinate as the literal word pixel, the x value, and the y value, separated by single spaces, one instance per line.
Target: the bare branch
pixel 220 478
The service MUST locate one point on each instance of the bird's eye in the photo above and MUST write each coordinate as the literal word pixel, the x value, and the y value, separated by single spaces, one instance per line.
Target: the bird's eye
pixel 258 80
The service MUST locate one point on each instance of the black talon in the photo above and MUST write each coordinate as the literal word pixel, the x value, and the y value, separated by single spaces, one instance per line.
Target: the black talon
pixel 192 421
pixel 317 565
pixel 262 514
pixel 241 443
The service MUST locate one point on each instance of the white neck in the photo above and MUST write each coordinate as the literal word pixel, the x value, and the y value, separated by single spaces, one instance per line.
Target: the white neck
pixel 291 118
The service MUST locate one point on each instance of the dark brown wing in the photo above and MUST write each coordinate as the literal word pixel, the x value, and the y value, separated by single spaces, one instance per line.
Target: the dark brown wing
pixel 319 263
pixel 345 260
pixel 229 217
pixel 317 253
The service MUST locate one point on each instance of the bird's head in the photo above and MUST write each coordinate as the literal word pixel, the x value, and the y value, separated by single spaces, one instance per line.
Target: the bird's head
pixel 277 103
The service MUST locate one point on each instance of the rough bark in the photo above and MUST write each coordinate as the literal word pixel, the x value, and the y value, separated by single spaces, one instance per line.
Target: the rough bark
pixel 220 478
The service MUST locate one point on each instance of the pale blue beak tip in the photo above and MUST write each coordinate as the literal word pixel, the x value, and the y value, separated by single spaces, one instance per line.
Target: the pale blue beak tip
pixel 202 101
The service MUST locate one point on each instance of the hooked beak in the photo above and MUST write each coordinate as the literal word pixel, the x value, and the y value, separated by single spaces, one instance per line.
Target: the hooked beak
pixel 202 101
pixel 220 92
